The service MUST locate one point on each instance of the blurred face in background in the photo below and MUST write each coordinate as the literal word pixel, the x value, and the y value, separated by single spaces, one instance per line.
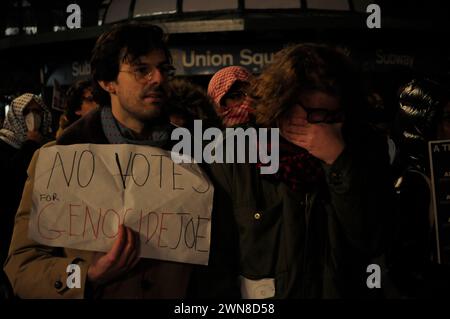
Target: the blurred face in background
pixel 87 103
pixel 444 125
pixel 33 107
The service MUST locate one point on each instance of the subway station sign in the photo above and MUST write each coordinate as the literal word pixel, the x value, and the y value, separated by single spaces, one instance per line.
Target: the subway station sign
pixel 208 59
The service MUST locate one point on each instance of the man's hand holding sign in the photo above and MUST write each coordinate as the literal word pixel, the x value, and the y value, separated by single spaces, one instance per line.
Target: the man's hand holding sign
pixel 123 256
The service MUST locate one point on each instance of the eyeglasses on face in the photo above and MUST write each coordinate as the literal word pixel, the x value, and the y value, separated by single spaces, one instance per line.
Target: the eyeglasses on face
pixel 320 115
pixel 144 72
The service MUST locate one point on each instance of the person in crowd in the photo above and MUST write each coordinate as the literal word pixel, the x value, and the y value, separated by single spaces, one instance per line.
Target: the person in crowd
pixel 79 101
pixel 228 89
pixel 26 128
pixel 311 229
pixel 188 102
pixel 131 66
pixel 423 116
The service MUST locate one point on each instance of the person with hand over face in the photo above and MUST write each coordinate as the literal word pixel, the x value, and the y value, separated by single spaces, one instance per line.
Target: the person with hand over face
pixel 311 229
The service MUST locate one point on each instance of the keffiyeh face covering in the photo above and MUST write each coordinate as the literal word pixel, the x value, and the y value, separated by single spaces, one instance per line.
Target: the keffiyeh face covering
pixel 14 131
pixel 220 85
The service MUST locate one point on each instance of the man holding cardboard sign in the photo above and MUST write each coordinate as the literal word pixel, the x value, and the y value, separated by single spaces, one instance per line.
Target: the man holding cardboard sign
pixel 109 205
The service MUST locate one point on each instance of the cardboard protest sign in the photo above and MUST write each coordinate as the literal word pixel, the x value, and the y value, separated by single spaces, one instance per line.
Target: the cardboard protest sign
pixel 439 152
pixel 82 192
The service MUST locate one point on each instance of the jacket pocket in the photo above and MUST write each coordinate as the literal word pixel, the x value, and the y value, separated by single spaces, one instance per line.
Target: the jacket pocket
pixel 259 239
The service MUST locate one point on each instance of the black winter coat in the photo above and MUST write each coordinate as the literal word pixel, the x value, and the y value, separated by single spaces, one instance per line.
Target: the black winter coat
pixel 13 165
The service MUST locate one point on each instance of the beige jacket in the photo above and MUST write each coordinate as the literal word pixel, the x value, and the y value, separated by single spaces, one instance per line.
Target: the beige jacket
pixel 39 271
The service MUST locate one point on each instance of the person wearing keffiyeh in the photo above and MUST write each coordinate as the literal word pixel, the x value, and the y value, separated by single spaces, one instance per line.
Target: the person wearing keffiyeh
pixel 17 145
pixel 15 132
pixel 227 88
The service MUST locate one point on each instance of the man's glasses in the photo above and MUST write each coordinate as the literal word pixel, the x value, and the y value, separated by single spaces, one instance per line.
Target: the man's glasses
pixel 318 115
pixel 145 72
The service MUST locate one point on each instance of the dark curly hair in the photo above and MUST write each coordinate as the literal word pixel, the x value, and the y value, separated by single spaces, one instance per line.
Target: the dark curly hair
pixel 74 99
pixel 191 102
pixel 123 43
pixel 308 67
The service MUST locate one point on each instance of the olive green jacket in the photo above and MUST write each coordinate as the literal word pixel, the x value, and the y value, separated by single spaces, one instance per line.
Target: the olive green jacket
pixel 315 244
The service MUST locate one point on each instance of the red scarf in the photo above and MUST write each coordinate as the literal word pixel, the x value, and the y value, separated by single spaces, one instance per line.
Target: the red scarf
pixel 298 169
pixel 237 114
